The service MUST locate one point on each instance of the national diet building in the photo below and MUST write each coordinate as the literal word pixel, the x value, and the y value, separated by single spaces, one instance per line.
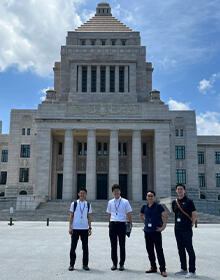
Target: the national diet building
pixel 101 124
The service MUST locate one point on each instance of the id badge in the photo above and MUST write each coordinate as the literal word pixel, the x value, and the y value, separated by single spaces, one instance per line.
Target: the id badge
pixel 149 225
pixel 178 220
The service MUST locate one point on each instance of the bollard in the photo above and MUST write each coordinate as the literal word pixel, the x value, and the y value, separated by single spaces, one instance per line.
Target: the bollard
pixel 10 223
pixel 196 224
pixel 48 221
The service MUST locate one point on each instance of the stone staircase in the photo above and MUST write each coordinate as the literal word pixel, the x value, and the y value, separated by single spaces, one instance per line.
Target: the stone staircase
pixel 59 211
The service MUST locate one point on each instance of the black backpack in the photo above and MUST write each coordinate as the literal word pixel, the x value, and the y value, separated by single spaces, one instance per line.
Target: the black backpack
pixel 75 205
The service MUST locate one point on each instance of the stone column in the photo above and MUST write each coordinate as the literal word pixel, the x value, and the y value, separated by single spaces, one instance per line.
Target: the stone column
pixel 132 79
pixel 98 79
pixel 91 165
pixel 108 78
pixel 43 163
pixel 117 78
pixel 113 161
pixel 162 180
pixel 136 166
pixel 68 165
pixel 89 78
pixel 126 78
pixel 80 78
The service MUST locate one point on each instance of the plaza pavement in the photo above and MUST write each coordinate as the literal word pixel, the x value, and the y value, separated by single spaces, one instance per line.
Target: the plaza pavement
pixel 33 251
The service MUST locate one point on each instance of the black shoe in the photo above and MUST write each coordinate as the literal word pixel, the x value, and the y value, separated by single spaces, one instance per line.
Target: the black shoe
pixel 71 268
pixel 151 270
pixel 85 267
pixel 114 267
pixel 121 268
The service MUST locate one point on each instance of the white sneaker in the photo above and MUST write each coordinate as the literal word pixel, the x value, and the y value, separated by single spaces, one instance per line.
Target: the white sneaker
pixel 181 272
pixel 190 275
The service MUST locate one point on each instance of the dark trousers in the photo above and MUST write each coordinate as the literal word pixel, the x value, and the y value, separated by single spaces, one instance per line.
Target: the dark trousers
pixel 117 231
pixel 83 234
pixel 154 240
pixel 184 243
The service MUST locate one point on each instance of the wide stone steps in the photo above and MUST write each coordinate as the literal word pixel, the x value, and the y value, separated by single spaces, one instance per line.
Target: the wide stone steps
pixel 59 211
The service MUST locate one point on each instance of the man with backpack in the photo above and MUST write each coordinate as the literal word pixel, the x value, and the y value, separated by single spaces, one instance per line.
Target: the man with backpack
pixel 154 218
pixel 80 226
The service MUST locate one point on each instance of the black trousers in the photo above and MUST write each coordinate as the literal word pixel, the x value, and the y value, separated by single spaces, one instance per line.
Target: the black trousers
pixel 117 231
pixel 83 234
pixel 184 243
pixel 154 240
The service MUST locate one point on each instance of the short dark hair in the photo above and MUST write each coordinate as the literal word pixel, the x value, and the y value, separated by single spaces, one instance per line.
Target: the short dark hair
pixel 180 185
pixel 115 186
pixel 82 189
pixel 153 192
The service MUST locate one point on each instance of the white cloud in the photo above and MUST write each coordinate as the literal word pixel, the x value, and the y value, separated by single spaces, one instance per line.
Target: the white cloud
pixel 32 32
pixel 208 123
pixel 175 105
pixel 205 85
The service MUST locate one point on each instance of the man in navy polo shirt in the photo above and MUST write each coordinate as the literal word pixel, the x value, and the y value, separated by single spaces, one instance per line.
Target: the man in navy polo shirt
pixel 154 218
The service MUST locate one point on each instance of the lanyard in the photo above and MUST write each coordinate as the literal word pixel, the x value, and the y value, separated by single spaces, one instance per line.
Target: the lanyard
pixel 117 207
pixel 82 210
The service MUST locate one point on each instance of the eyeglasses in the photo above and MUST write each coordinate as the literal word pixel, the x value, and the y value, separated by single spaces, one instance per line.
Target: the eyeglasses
pixel 150 195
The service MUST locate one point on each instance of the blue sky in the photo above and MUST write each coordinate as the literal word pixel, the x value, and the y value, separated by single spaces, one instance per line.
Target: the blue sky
pixel 182 39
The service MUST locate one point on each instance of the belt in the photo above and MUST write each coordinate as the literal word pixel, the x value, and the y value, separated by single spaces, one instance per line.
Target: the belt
pixel 117 222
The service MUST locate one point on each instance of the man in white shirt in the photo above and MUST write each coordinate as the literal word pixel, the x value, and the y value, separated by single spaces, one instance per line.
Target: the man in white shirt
pixel 80 226
pixel 118 210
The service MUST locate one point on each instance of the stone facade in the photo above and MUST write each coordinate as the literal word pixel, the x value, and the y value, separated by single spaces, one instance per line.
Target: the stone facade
pixel 103 124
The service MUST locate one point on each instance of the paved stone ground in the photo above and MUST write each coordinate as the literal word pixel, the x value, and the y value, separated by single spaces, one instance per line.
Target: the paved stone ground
pixel 31 250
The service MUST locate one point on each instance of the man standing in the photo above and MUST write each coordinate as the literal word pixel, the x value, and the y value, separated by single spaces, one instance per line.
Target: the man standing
pixel 118 208
pixel 185 218
pixel 154 218
pixel 80 226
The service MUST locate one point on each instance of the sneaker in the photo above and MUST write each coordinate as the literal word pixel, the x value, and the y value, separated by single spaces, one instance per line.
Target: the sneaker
pixel 71 268
pixel 152 270
pixel 181 272
pixel 164 274
pixel 114 267
pixel 85 267
pixel 191 275
pixel 121 268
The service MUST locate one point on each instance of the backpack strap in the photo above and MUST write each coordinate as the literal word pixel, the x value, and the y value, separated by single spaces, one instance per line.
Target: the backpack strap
pixel 88 204
pixel 74 206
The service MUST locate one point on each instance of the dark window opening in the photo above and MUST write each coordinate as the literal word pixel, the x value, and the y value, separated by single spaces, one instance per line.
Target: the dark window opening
pixel 121 79
pixel 102 80
pixel 105 149
pixel 24 175
pixel 23 131
pixel 4 156
pixel 80 149
pixel 144 152
pixel 99 149
pixel 23 192
pixel 3 177
pixel 84 79
pixel 93 80
pixel 112 79
pixel 60 150
pixel 25 151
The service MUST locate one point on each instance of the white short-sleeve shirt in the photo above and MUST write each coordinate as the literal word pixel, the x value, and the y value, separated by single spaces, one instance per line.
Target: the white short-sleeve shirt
pixel 80 218
pixel 118 208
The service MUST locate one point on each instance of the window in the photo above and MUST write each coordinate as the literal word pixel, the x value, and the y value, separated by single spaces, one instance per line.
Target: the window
pixel 60 150
pixel 84 79
pixel 124 149
pixel 4 156
pixel 119 149
pixel 23 131
pixel 103 42
pixel 83 42
pixel 93 42
pixel 180 152
pixel 144 149
pixel 23 192
pixel 201 180
pixel 219 197
pixel 28 131
pixel 181 176
pixel 3 177
pixel 217 180
pixel 99 149
pixel 123 42
pixel 113 42
pixel 112 79
pixel 85 149
pixel 80 149
pixel 102 80
pixel 121 79
pixel 105 151
pixel 181 132
pixel 24 175
pixel 217 157
pixel 200 157
pixel 177 132
pixel 25 151
pixel 93 79
pixel 202 196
